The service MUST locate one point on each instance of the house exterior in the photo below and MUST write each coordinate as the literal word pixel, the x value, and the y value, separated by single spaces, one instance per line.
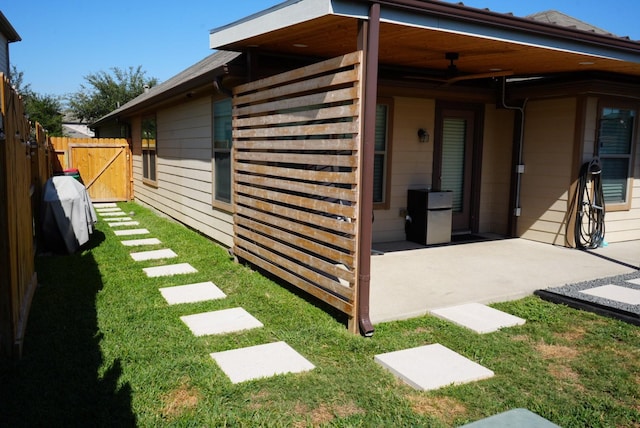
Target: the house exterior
pixel 7 35
pixel 297 142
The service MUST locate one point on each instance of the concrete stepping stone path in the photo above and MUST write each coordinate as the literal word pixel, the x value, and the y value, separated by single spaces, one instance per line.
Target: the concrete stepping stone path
pixel 169 270
pixel 153 255
pixel 261 361
pixel 128 232
pixel 432 366
pixel 124 223
pixel 140 242
pixel 221 322
pixel 478 317
pixel 115 219
pixel 192 293
pixel 627 295
pixel 114 214
pixel 105 205
pixel 107 210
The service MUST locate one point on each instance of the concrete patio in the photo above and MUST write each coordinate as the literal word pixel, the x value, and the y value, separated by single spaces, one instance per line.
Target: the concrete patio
pixel 408 280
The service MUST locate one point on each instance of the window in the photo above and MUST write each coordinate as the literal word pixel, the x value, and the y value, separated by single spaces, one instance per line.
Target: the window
pixel 149 149
pixel 222 144
pixel 615 149
pixel 381 161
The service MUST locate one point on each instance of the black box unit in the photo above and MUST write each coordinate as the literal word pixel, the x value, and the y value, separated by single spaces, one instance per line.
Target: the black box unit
pixel 428 216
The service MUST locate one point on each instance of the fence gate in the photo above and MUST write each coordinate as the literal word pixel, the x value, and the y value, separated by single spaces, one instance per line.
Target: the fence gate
pixel 104 165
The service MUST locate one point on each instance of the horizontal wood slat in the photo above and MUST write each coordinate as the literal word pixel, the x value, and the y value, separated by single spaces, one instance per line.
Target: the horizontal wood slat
pixel 253 256
pixel 323 191
pixel 296 158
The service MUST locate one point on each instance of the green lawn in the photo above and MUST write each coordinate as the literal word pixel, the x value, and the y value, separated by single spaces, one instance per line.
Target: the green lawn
pixel 104 349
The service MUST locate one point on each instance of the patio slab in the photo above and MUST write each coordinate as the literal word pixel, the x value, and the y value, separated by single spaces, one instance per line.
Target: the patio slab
pixel 409 281
pixel 432 366
pixel 617 293
pixel 478 317
pixel 221 322
pixel 261 361
pixel 169 270
pixel 139 242
pixel 153 255
pixel 192 293
pixel 128 232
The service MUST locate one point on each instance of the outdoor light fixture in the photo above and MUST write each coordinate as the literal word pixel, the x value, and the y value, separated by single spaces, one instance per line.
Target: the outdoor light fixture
pixel 423 135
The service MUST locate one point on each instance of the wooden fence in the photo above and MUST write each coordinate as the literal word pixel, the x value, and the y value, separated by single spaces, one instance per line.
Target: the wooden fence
pixel 24 167
pixel 105 165
pixel 296 139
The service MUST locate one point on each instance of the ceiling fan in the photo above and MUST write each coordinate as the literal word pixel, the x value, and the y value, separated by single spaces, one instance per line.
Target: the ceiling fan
pixel 453 75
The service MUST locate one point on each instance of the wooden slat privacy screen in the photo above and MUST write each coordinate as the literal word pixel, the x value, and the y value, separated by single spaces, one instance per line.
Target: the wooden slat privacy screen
pixel 296 157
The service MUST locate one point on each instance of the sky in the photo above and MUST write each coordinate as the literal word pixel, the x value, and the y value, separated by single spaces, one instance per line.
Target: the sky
pixel 65 40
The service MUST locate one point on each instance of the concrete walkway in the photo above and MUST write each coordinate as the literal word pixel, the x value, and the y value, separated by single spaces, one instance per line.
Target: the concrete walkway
pixel 409 283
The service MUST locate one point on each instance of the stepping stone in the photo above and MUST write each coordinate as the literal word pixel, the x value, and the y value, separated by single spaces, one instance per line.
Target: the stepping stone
pixel 128 232
pixel 634 281
pixel 477 317
pixel 169 270
pixel 221 322
pixel 105 205
pixel 108 210
pixel 119 219
pixel 630 296
pixel 192 293
pixel 432 366
pixel 261 361
pixel 521 418
pixel 113 214
pixel 153 255
pixel 124 223
pixel 137 242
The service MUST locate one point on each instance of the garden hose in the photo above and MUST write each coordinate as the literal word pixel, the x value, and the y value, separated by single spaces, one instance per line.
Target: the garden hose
pixel 589 226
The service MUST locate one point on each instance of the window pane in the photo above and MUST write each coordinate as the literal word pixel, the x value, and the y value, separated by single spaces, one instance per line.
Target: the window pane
pixel 152 165
pixel 381 127
pixel 378 178
pixel 614 180
pixel 616 131
pixel 145 163
pixel 222 135
pixel 223 176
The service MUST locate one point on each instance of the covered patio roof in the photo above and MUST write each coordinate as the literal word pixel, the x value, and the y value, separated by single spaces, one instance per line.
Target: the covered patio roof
pixel 416 35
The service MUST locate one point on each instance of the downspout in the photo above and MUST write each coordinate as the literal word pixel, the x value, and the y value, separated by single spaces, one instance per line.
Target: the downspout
pixel 370 45
pixel 519 166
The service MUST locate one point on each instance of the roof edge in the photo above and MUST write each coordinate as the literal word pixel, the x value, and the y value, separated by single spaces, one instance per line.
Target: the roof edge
pixel 7 29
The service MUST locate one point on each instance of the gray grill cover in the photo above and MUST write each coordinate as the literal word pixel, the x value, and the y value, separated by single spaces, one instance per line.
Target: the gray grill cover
pixel 67 213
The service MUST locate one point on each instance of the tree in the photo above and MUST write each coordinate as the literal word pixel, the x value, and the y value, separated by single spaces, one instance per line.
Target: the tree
pixel 105 92
pixel 44 109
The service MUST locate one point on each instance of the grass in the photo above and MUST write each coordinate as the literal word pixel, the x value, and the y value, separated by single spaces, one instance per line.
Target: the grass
pixel 104 349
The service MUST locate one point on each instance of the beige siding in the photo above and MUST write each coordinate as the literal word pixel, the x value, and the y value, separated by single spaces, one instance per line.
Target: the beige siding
pixel 547 156
pixel 184 186
pixel 412 163
pixel 496 170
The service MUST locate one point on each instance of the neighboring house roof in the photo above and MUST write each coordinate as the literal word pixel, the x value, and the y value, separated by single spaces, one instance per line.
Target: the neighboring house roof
pixel 201 73
pixel 7 29
pixel 76 130
pixel 563 20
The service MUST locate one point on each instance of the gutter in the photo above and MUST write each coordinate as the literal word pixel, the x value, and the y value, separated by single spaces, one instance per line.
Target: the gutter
pixel 463 13
pixel 370 33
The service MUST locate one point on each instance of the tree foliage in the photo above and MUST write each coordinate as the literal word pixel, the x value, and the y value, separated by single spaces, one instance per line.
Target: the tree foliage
pixel 41 108
pixel 106 91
